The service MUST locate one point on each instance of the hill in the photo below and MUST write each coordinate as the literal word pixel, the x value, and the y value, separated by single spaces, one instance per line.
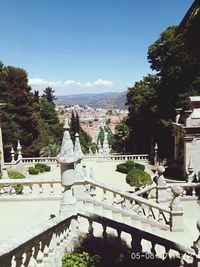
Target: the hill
pixel 99 100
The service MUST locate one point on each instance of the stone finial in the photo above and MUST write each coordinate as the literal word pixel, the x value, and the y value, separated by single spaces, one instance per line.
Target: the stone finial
pixel 178 110
pixel 176 203
pixel 161 180
pixel 155 154
pixel 191 174
pixel 12 152
pixel 77 147
pixel 19 149
pixel 67 149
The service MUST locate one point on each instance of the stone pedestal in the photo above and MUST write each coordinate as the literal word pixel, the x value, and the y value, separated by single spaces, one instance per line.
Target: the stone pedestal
pixel 176 221
pixel 176 217
pixel 161 190
pixel 161 193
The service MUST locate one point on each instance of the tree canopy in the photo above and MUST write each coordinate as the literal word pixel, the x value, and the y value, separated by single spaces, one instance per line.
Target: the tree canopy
pixel 152 101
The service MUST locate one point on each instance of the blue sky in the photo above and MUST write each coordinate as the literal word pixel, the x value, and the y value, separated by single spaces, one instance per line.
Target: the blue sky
pixel 79 46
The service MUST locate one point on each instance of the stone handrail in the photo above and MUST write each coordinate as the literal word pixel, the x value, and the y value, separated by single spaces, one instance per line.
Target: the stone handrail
pixel 145 190
pixel 112 196
pixel 190 190
pixel 116 157
pixel 32 188
pixel 48 160
pixel 46 244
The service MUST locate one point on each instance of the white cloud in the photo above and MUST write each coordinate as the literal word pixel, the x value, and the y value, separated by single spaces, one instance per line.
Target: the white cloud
pixel 38 81
pixel 102 82
pixel 69 83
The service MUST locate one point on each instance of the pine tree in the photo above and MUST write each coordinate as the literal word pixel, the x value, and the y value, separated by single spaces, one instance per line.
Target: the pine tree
pixel 48 94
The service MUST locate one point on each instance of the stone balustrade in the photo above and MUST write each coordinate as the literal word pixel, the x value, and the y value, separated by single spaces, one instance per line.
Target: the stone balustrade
pixel 191 191
pixel 31 188
pixel 46 244
pixel 46 160
pixel 130 202
pixel 113 157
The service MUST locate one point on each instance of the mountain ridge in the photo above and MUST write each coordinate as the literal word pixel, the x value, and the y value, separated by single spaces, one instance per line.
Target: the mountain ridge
pixel 95 100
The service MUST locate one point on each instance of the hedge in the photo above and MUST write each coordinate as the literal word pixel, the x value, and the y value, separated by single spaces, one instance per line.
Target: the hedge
pixel 129 165
pixel 39 167
pixel 138 178
pixel 17 175
pixel 33 170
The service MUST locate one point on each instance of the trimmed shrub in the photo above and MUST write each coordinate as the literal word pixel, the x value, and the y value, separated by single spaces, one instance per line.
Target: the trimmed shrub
pixel 129 165
pixel 72 259
pixel 15 175
pixel 40 166
pixel 138 178
pixel 47 168
pixel 33 170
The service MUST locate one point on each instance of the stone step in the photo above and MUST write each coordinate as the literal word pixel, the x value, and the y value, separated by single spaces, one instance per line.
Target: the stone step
pixel 136 222
pixel 98 208
pixel 107 212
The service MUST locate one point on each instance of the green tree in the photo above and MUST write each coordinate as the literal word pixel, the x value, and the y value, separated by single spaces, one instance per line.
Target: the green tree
pixel 121 136
pixel 51 150
pixel 21 119
pixel 143 115
pixel 48 94
pixel 50 117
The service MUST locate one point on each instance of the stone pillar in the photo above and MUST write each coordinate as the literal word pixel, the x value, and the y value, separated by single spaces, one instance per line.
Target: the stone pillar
pixel 67 160
pixel 196 247
pixel 176 216
pixel 161 189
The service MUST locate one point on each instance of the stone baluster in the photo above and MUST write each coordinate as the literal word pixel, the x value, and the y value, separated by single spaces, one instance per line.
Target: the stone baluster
pixel 30 189
pixel 136 243
pixel 160 217
pixel 184 192
pixel 51 188
pixel 140 209
pixel 90 229
pixel 19 259
pixel 176 214
pixel 104 234
pixel 40 189
pixel 40 256
pixel 51 258
pixel 28 252
pixel 104 196
pixel 193 192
